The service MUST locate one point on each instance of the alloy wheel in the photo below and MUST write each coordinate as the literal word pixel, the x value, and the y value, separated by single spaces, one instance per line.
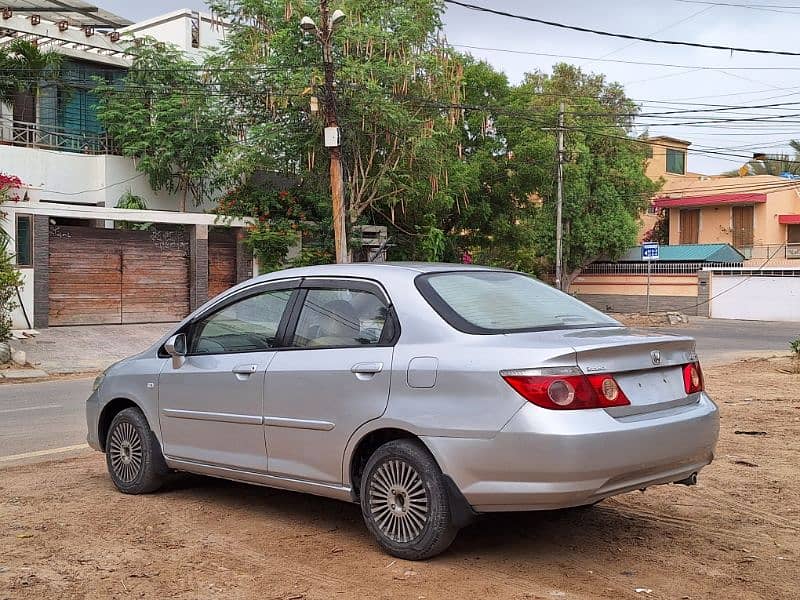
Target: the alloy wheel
pixel 125 450
pixel 398 501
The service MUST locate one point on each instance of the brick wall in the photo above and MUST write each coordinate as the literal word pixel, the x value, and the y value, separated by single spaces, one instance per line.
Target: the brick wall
pixel 638 304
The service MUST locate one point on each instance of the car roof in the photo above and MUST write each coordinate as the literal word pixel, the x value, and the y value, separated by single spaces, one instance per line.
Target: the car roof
pixel 411 269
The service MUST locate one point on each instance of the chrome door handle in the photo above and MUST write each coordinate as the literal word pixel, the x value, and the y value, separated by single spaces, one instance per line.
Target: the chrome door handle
pixel 244 369
pixel 367 368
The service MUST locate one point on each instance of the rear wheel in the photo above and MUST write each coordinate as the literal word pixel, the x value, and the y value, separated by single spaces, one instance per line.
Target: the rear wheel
pixel 133 455
pixel 405 503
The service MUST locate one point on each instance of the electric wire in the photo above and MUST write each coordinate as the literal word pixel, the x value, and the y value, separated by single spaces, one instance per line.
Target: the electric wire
pixel 623 36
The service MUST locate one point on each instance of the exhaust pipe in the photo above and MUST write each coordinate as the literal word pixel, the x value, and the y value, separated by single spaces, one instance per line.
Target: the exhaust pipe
pixel 690 480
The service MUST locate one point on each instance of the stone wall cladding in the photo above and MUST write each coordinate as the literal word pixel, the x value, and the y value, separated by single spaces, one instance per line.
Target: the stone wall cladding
pixel 244 259
pixel 41 271
pixel 638 304
pixel 703 293
pixel 198 266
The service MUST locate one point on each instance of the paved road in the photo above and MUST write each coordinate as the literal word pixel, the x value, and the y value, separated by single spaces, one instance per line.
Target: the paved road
pixel 45 416
pixel 42 416
pixel 722 340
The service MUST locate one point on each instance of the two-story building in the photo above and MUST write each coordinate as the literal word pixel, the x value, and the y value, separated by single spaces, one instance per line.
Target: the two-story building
pixel 759 215
pixel 79 264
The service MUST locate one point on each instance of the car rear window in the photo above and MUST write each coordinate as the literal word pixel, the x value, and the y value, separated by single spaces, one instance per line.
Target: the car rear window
pixel 485 302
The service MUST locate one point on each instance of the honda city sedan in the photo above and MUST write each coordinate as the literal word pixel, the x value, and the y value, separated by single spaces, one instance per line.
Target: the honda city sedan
pixel 427 393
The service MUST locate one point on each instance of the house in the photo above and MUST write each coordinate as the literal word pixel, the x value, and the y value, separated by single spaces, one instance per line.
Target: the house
pixel 79 265
pixel 757 214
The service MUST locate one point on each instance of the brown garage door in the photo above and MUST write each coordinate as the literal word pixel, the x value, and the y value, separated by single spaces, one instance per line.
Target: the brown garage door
pixel 221 260
pixel 117 276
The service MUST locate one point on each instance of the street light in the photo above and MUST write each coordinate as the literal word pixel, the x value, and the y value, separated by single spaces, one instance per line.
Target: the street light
pixel 324 33
pixel 307 24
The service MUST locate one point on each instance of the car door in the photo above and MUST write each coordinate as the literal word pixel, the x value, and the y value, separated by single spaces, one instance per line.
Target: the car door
pixel 333 377
pixel 211 406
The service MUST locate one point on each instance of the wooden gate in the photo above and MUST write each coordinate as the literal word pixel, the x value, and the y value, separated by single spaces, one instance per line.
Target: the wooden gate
pixel 117 276
pixel 221 260
pixel 742 234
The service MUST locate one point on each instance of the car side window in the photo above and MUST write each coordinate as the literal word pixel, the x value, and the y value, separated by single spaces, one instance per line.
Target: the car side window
pixel 247 325
pixel 340 318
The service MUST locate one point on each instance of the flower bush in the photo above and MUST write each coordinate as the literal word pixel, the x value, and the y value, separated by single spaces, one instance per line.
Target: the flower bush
pixel 10 278
pixel 279 219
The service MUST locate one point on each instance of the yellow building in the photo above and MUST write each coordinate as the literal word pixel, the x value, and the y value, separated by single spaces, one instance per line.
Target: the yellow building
pixel 759 215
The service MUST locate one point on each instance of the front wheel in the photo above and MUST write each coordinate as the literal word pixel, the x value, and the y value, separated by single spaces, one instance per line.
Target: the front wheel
pixel 133 455
pixel 405 503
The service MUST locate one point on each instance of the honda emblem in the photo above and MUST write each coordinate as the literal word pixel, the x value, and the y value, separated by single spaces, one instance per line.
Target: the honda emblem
pixel 656 356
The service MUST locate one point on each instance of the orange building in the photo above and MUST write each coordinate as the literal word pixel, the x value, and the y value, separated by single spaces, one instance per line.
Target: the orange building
pixel 759 215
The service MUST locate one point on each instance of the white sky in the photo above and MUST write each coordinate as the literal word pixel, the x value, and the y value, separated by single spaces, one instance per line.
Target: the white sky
pixel 654 86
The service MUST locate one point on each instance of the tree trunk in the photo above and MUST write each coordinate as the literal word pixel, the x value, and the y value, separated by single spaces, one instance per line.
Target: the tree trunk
pixel 183 198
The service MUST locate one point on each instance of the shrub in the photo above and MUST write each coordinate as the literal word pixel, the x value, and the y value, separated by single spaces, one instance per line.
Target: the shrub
pixel 10 278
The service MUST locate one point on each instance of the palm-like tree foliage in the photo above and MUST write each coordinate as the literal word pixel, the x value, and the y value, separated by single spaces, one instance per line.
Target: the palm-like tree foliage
pixel 773 164
pixel 23 66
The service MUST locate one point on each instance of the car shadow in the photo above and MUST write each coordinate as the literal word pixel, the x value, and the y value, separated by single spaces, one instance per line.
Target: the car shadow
pixel 607 526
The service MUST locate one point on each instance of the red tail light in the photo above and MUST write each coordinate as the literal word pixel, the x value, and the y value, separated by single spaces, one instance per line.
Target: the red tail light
pixel 693 378
pixel 565 388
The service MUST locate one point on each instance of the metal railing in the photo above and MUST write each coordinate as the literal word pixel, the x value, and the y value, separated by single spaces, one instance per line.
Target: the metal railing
pixel 771 251
pixel 657 268
pixel 52 137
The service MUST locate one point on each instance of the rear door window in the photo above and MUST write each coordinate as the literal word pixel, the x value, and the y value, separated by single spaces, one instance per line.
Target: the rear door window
pixel 339 318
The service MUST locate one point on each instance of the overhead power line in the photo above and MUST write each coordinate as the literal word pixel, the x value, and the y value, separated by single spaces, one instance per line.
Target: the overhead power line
pixel 623 61
pixel 623 36
pixel 778 8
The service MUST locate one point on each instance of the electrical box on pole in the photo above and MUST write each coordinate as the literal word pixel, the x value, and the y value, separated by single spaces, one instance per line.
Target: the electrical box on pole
pixel 333 137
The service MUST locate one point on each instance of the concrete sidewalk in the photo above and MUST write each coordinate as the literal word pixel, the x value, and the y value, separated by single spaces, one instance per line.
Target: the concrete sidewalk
pixel 60 350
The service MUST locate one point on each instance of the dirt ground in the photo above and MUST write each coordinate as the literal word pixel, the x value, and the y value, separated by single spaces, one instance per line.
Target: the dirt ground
pixel 65 532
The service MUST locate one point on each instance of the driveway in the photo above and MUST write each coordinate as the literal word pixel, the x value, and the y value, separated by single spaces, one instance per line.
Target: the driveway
pixel 723 340
pixel 87 347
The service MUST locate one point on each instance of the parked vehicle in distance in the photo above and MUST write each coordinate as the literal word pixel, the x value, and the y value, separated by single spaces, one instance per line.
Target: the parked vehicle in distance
pixel 428 393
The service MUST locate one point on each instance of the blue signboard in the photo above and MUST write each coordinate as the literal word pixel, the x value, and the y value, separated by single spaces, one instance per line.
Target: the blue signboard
pixel 650 251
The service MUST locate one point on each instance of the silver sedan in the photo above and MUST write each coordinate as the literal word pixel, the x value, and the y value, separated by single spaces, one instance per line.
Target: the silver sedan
pixel 426 393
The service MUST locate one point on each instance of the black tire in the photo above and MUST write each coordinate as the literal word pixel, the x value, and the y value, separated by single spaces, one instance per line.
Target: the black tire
pixel 133 454
pixel 406 525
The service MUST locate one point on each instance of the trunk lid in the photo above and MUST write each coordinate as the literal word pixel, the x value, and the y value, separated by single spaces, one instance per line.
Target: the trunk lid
pixel 646 365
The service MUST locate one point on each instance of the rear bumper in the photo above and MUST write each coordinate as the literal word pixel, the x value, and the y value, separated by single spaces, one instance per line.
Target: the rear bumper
pixel 548 459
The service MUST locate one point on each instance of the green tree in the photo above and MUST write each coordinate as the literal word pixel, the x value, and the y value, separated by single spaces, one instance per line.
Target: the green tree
pixel 605 184
pixel 164 116
pixel 393 76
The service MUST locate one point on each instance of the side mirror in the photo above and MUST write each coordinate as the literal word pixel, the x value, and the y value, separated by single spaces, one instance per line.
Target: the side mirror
pixel 176 348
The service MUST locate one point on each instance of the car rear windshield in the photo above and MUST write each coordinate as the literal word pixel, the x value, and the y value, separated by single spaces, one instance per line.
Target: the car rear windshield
pixel 486 302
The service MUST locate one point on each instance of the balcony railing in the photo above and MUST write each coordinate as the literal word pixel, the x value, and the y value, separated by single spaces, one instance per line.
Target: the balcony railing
pixel 51 137
pixel 771 252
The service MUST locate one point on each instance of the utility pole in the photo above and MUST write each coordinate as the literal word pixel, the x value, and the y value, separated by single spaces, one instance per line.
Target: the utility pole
pixel 560 198
pixel 332 135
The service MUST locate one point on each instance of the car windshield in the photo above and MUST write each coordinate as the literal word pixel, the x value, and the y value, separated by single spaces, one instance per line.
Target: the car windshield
pixel 503 302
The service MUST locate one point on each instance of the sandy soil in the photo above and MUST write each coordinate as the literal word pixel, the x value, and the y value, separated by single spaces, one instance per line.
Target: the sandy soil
pixel 65 532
